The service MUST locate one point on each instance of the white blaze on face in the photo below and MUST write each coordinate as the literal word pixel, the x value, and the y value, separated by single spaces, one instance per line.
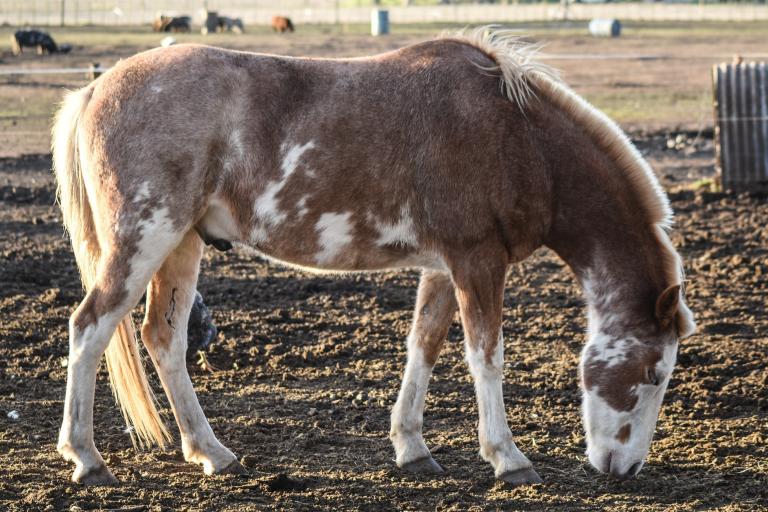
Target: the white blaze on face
pixel 611 351
pixel 334 234
pixel 617 440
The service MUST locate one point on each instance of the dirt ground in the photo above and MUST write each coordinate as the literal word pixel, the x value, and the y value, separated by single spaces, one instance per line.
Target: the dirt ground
pixel 309 367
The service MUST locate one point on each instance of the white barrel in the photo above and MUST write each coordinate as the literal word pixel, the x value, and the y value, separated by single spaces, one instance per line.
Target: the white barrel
pixel 379 22
pixel 607 27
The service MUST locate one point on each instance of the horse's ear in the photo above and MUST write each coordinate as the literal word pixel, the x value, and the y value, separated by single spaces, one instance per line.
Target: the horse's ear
pixel 667 305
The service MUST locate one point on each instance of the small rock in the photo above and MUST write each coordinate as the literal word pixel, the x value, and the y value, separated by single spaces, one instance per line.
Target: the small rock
pixel 283 482
pixel 249 461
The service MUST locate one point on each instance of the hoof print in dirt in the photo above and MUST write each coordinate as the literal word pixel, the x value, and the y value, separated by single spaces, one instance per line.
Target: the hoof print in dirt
pixel 283 482
pixel 519 477
pixel 201 330
pixel 424 465
pixel 96 476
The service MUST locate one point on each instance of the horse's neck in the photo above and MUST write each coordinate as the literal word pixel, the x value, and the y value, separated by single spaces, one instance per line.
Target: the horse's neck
pixel 611 247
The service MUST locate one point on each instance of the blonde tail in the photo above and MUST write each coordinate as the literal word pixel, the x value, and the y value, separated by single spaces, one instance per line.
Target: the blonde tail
pixel 126 369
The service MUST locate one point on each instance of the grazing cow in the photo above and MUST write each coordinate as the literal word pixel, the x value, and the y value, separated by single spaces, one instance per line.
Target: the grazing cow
pixel 282 24
pixel 41 41
pixel 172 24
pixel 227 24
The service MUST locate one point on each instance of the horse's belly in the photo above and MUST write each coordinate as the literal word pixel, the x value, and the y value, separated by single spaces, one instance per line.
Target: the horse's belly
pixel 334 242
pixel 331 241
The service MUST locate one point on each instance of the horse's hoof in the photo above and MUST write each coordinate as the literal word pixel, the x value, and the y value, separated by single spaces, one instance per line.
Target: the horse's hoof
pixel 423 465
pixel 234 468
pixel 99 475
pixel 518 477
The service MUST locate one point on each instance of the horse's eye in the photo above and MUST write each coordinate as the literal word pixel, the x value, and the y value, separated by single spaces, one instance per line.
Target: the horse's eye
pixel 651 377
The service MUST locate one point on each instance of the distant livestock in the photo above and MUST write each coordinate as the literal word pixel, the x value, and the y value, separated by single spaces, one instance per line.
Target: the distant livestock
pixel 41 41
pixel 172 24
pixel 282 24
pixel 227 24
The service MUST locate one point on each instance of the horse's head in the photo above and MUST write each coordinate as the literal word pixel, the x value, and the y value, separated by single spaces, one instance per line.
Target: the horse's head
pixel 624 376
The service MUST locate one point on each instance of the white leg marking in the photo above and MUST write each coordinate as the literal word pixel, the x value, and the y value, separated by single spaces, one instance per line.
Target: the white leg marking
pixel 408 413
pixel 198 442
pixel 86 348
pixel 76 435
pixel 496 444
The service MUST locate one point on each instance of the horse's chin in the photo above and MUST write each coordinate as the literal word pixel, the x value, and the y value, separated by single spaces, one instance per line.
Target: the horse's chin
pixel 618 461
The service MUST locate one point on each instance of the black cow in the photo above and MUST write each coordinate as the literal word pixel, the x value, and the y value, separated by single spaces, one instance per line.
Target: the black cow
pixel 41 41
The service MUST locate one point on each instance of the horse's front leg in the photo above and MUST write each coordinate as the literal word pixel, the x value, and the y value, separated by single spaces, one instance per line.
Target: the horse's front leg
pixel 479 284
pixel 170 297
pixel 435 308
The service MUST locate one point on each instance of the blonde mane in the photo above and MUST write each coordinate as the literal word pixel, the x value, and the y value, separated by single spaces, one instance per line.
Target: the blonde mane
pixel 523 78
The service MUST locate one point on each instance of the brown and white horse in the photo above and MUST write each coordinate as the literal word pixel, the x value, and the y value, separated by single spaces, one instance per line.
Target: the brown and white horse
pixel 460 155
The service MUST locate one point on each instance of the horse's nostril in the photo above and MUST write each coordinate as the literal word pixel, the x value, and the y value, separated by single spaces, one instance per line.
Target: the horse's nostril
pixel 635 469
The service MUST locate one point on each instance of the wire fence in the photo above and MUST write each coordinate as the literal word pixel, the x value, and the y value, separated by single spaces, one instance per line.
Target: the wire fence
pixel 139 12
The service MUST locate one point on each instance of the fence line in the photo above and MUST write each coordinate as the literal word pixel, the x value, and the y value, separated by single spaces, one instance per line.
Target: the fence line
pixel 254 12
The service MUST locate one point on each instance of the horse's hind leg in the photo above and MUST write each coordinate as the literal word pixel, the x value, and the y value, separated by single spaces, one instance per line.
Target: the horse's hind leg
pixel 169 301
pixel 435 308
pixel 480 294
pixel 116 289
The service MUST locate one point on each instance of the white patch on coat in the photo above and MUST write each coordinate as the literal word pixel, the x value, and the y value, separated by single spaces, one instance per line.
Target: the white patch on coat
pixel 301 207
pixel 334 231
pixel 266 206
pixel 155 229
pixel 612 351
pixel 142 193
pixel 401 232
pixel 236 142
pixel 235 150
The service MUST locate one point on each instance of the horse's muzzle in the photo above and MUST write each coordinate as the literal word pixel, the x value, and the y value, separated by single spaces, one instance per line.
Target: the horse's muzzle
pixel 615 470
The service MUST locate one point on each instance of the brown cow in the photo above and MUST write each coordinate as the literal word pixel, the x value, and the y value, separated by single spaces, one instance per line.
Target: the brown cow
pixel 172 24
pixel 282 24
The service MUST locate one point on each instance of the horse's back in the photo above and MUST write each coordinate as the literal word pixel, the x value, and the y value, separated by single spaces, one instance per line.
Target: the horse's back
pixel 401 152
